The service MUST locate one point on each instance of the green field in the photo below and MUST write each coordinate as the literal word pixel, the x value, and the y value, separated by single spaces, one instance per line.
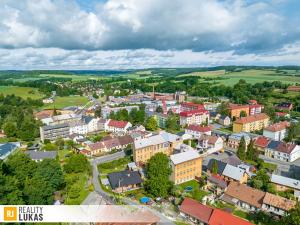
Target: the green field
pixel 62 102
pixel 24 92
pixel 74 77
pixel 203 74
pixel 251 76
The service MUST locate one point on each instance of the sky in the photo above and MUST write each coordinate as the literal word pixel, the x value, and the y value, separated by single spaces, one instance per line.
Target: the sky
pixel 135 34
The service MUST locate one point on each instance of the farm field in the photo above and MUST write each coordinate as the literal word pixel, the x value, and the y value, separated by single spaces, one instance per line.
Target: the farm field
pixel 24 92
pixel 251 76
pixel 204 73
pixel 74 77
pixel 62 102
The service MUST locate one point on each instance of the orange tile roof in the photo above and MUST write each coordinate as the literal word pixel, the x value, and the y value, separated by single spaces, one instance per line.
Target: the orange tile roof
pixel 246 194
pixel 236 106
pixel 118 124
pixel 262 141
pixel 278 126
pixel 279 202
pixel 251 119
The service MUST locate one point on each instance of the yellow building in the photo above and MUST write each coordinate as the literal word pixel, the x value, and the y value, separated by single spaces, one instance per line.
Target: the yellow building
pixel 235 110
pixel 144 149
pixel 185 166
pixel 251 123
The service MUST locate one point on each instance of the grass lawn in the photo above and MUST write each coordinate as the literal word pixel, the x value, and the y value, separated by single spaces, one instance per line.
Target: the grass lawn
pixel 114 166
pixel 24 92
pixel 73 76
pixel 62 154
pixel 269 166
pixel 81 182
pixel 251 76
pixel 62 102
pixel 241 214
pixel 196 193
pixel 226 130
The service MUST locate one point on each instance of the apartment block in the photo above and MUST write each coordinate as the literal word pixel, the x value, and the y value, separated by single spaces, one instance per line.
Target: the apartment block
pixel 185 166
pixel 144 149
pixel 251 123
pixel 52 132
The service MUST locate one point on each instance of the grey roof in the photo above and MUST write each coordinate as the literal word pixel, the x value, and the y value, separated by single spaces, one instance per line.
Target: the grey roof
pixel 184 156
pixel 57 126
pixel 40 155
pixel 285 181
pixel 219 182
pixel 87 119
pixel 232 160
pixel 238 136
pixel 233 172
pixel 7 148
pixel 161 138
pixel 124 178
pixel 221 165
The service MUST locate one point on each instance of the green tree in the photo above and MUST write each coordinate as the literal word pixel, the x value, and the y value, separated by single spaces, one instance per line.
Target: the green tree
pixel 151 124
pixel 60 143
pixel 214 168
pixel 223 109
pixel 293 216
pixel 50 147
pixel 243 113
pixel 172 123
pixel 76 163
pixel 158 172
pixel 98 112
pixel 159 109
pixel 10 129
pixel 251 153
pixel 241 151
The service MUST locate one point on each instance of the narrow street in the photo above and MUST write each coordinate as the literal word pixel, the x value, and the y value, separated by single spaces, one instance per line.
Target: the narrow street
pixel 99 196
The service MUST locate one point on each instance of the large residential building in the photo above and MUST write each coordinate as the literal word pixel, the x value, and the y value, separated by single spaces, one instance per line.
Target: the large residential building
pixel 282 151
pixel 235 110
pixel 197 116
pixel 144 149
pixel 251 123
pixel 196 131
pixel 105 111
pixel 62 119
pixel 189 106
pixel 186 166
pixel 277 131
pixel 52 132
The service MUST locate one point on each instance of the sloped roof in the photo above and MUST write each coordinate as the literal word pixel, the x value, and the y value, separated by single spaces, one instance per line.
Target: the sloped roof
pixel 279 202
pixel 253 118
pixel 198 128
pixel 218 180
pixel 220 217
pixel 285 181
pixel 278 126
pixel 160 138
pixel 196 209
pixel 124 178
pixel 262 141
pixel 40 155
pixel 221 165
pixel 184 156
pixel 246 194
pixel 193 112
pixel 209 138
pixel 118 124
pixel 233 172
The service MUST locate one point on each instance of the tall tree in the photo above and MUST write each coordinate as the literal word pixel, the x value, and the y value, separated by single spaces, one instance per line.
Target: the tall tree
pixel 159 109
pixel 158 172
pixel 98 112
pixel 241 151
pixel 251 153
pixel 214 168
pixel 151 124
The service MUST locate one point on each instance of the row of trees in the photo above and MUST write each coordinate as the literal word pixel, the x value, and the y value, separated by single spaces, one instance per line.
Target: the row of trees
pixel 135 116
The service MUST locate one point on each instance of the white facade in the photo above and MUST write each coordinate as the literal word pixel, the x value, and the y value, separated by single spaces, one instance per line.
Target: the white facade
pixel 282 156
pixel 79 128
pixel 210 147
pixel 195 133
pixel 194 119
pixel 276 135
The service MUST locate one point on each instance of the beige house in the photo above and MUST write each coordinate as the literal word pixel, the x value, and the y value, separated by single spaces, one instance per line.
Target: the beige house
pixel 186 166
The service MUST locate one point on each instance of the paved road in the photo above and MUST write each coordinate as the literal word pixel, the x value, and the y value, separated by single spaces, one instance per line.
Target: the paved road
pixel 101 197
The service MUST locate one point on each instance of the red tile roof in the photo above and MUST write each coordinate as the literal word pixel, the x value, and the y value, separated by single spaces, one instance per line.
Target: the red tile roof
pixel 279 114
pixel 196 209
pixel 193 112
pixel 262 141
pixel 251 119
pixel 220 217
pixel 285 147
pixel 278 126
pixel 199 128
pixel 118 124
pixel 293 88
pixel 192 105
pixel 236 106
